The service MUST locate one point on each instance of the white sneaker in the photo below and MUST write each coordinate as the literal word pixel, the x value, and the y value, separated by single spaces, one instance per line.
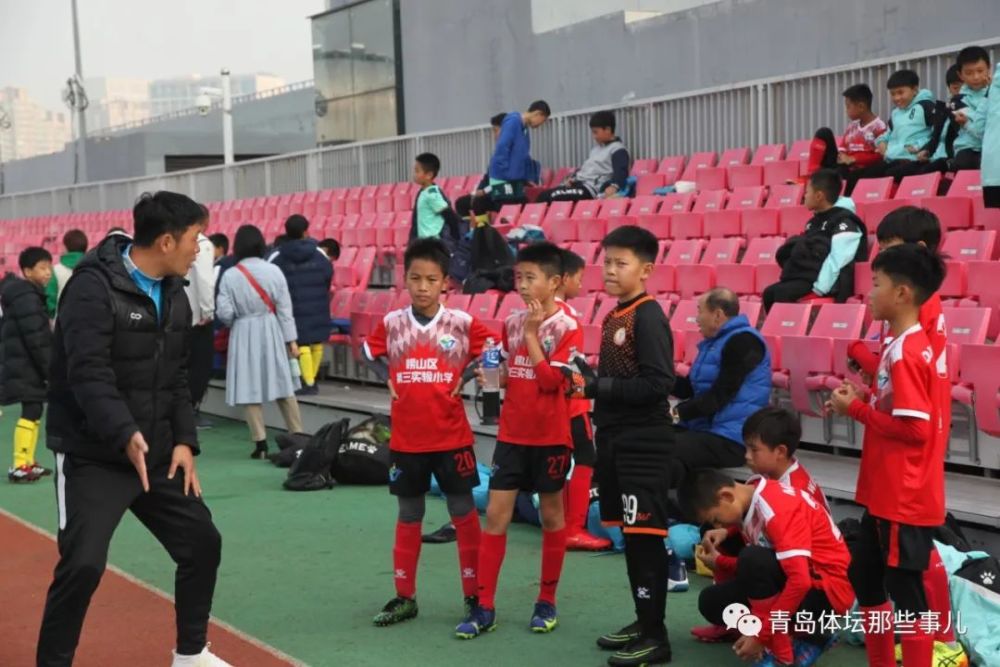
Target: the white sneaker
pixel 204 659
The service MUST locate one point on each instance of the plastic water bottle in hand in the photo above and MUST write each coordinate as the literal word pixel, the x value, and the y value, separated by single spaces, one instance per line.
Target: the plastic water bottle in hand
pixel 491 366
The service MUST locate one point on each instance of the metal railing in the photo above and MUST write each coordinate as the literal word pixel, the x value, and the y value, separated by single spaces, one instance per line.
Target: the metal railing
pixel 774 110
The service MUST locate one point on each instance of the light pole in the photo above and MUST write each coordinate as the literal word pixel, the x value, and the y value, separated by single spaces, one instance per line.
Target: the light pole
pixel 79 102
pixel 204 104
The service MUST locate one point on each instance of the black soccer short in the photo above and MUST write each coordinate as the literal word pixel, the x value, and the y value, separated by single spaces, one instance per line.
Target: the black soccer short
pixel 538 469
pixel 902 546
pixel 455 470
pixel 633 474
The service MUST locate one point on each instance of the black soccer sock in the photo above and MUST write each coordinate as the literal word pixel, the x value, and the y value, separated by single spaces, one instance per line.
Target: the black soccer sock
pixel 646 559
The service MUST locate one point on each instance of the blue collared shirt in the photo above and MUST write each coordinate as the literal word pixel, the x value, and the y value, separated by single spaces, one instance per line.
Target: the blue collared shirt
pixel 151 287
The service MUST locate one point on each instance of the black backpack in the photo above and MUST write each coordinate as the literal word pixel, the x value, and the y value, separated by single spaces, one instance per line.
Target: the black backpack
pixel 492 262
pixel 363 456
pixel 312 464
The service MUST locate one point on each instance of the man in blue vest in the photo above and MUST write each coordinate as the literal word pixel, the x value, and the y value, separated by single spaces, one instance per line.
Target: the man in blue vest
pixel 729 380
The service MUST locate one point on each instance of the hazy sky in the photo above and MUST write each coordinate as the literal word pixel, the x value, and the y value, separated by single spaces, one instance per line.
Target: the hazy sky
pixel 150 39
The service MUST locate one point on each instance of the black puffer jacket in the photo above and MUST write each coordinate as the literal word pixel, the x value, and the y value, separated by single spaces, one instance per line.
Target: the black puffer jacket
pixel 308 272
pixel 26 343
pixel 115 368
pixel 801 257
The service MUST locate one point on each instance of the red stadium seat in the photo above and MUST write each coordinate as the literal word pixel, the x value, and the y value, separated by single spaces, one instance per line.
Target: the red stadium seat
pixel 509 214
pixel 872 189
pixel 692 280
pixel 458 301
pixel 615 207
pixel 532 214
pixel 744 175
pixel 657 224
pixel 785 195
pixel 588 208
pixel 696 162
pixel 671 168
pixel 584 307
pixel 558 211
pixel 780 172
pixel 792 220
pixel 768 153
pixel 784 319
pixel 741 278
pixel 647 183
pixel 676 202
pixel 710 178
pixel 484 306
pixel 800 150
pixel 980 373
pixel 984 285
pixel 733 156
pixel 970 245
pixel 643 167
pixel 593 279
pixel 586 249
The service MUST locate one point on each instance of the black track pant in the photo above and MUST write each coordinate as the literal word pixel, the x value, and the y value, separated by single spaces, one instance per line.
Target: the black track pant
pixel 200 362
pixel 92 498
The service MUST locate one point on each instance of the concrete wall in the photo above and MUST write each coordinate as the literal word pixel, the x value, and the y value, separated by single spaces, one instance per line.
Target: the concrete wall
pixel 464 60
pixel 280 124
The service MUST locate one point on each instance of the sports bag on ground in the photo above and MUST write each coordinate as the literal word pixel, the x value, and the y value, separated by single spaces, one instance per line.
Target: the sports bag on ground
pixel 363 456
pixel 312 465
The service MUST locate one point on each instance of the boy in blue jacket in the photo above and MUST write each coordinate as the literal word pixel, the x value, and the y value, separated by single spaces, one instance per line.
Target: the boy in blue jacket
pixel 511 167
pixel 913 131
pixel 970 115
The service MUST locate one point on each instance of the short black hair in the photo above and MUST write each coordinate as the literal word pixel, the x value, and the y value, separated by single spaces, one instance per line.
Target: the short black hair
pixel 774 426
pixel 541 106
pixel 163 212
pixel 700 490
pixel 431 249
pixel 279 239
pixel 953 75
pixel 429 162
pixel 296 226
pixel 29 257
pixel 971 55
pixel 75 240
pixel 497 120
pixel 603 119
pixel 724 299
pixel 547 256
pixel 904 78
pixel 860 92
pixel 220 240
pixel 331 247
pixel 913 265
pixel 911 224
pixel 571 263
pixel 640 241
pixel 828 182
pixel 248 242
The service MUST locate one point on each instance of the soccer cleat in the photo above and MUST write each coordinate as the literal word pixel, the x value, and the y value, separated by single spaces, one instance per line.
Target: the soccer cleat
pixel 479 620
pixel 544 618
pixel 714 634
pixel 442 535
pixel 677 574
pixel 614 641
pixel 806 654
pixel 40 470
pixel 23 473
pixel 396 610
pixel 581 540
pixel 204 659
pixel 945 655
pixel 642 651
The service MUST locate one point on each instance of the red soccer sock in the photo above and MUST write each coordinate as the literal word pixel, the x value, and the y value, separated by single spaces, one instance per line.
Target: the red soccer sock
pixel 467 536
pixel 577 498
pixel 405 555
pixel 553 554
pixel 879 640
pixel 938 597
pixel 779 643
pixel 918 648
pixel 491 552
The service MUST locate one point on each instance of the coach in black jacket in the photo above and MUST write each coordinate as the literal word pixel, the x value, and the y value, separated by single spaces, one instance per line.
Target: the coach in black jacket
pixel 121 422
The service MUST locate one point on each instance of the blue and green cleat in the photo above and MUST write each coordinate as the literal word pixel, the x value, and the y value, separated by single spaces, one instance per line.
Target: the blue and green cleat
pixel 479 620
pixel 544 618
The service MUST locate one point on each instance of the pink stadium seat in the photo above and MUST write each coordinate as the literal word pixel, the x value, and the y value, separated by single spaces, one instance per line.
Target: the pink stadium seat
pixel 647 183
pixel 963 327
pixel 984 286
pixel 785 195
pixel 953 212
pixel 752 310
pixel 909 193
pixel 564 232
pixel 780 172
pixel 744 198
pixel 710 178
pixel 970 245
pixel 511 301
pixel 733 156
pixel 768 153
pixel 644 205
pixel 588 208
pixel 792 220
pixel 729 221
pixel 743 175
pixel 759 222
pixel 685 226
pixel 586 249
pixel 809 359
pixel 980 374
pixel 693 280
pixel 458 301
pixel 558 210
pixel 800 150
pixel 593 279
pixel 671 167
pixel 713 200
pixel 685 252
pixel 658 224
pixel 741 277
pixel 532 214
pixel 603 308
pixel 676 202
pixel 697 161
pixel 510 213
pixel 584 307
pixel 643 167
pixel 614 207
pixel 872 189
pixel 784 319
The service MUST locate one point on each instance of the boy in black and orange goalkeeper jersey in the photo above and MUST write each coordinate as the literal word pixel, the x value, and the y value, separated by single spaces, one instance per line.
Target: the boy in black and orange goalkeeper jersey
pixel 634 434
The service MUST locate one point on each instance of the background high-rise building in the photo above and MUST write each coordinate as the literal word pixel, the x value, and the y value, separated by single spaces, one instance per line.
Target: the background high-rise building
pixel 34 129
pixel 115 101
pixel 179 93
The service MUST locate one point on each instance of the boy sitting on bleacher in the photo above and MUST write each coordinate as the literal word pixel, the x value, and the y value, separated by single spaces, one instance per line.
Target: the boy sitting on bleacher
pixel 819 262
pixel 859 148
pixel 605 171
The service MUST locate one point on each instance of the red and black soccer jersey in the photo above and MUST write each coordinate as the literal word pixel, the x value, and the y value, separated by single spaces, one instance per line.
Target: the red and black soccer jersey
pixel 902 461
pixel 425 364
pixel 535 408
pixel 791 523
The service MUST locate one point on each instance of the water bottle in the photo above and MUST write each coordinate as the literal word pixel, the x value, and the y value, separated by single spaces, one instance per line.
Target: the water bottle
pixel 491 366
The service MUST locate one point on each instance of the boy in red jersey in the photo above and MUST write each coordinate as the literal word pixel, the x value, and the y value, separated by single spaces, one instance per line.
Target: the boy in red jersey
pixel 901 477
pixel 427 347
pixel 771 435
pixel 795 561
pixel 910 224
pixel 533 443
pixel 576 499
